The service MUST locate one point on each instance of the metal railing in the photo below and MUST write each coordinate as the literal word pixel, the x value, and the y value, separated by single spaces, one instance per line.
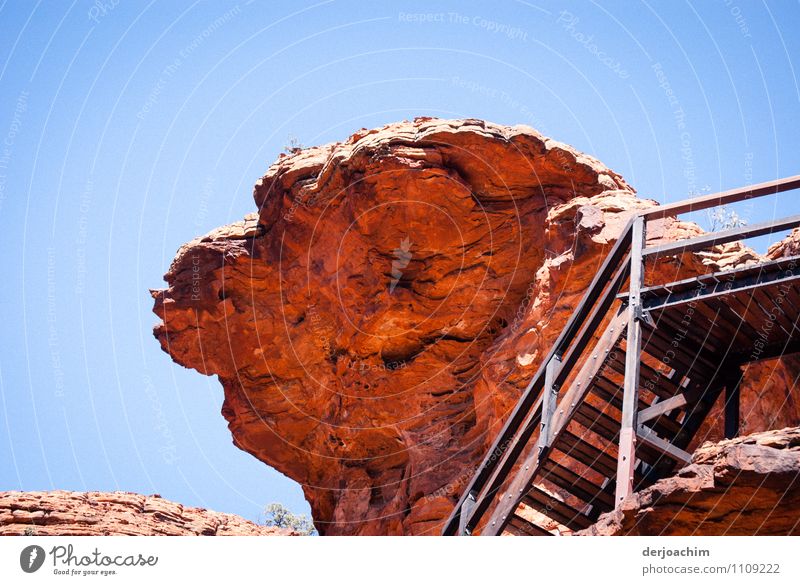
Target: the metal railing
pixel 626 258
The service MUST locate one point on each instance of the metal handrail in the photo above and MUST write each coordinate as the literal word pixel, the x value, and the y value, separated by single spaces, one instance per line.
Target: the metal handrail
pixel 722 198
pixel 528 407
pixel 723 237
pixel 519 426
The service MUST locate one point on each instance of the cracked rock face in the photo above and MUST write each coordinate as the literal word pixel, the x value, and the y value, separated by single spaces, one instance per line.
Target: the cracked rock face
pixel 376 320
pixel 63 513
pixel 744 486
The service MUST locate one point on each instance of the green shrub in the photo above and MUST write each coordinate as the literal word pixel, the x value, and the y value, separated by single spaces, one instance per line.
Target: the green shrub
pixel 279 516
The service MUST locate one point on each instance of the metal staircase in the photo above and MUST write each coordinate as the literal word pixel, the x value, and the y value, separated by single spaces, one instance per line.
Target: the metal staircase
pixel 605 416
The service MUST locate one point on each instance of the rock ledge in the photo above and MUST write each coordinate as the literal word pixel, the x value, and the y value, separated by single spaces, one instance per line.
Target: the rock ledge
pixel 65 513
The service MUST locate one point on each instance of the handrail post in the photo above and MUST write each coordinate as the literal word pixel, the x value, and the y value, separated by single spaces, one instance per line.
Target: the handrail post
pixel 513 436
pixel 549 400
pixel 626 459
pixel 511 441
pixel 466 512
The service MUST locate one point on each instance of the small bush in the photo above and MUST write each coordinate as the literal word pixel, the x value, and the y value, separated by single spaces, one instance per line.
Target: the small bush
pixel 293 144
pixel 723 218
pixel 279 516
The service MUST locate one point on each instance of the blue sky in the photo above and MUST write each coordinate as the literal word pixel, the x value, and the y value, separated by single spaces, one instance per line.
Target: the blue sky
pixel 127 128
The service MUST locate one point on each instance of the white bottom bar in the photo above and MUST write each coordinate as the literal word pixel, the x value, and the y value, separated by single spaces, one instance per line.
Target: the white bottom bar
pixel 371 560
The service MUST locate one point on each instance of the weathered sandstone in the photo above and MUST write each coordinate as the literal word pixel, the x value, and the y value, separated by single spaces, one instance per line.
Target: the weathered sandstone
pixel 377 318
pixel 64 513
pixel 744 486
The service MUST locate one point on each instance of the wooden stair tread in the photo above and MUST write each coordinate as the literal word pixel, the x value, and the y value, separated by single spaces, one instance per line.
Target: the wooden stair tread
pixel 580 487
pixel 521 527
pixel 554 508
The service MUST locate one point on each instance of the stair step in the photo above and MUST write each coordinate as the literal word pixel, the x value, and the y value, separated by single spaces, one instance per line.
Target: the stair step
pixel 658 343
pixel 518 526
pixel 597 460
pixel 592 457
pixel 598 422
pixel 604 426
pixel 602 388
pixel 656 382
pixel 554 508
pixel 570 481
pixel 671 324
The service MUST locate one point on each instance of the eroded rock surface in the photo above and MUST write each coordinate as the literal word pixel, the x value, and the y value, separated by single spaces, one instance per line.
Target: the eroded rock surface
pixel 374 323
pixel 744 486
pixel 64 513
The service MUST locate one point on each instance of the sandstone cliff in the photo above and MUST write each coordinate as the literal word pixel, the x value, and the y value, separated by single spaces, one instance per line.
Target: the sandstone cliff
pixel 744 486
pixel 377 318
pixel 63 513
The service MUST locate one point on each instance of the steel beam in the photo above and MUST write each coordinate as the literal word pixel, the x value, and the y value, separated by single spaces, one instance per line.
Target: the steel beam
pixel 626 459
pixel 466 512
pixel 506 445
pixel 549 401
pixel 511 442
pixel 662 407
pixel 723 198
pixel 723 237
pixel 651 439
pixel 569 404
pixel 506 454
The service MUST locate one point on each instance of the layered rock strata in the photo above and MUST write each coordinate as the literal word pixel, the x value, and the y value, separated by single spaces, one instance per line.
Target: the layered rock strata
pixel 374 322
pixel 64 513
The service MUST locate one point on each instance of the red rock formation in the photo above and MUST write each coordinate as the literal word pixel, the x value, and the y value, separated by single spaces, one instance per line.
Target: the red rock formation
pixel 63 513
pixel 377 319
pixel 745 486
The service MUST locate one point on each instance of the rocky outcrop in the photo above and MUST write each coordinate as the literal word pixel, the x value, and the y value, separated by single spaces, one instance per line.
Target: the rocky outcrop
pixel 374 323
pixel 744 486
pixel 63 513
pixel 790 246
pixel 769 396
